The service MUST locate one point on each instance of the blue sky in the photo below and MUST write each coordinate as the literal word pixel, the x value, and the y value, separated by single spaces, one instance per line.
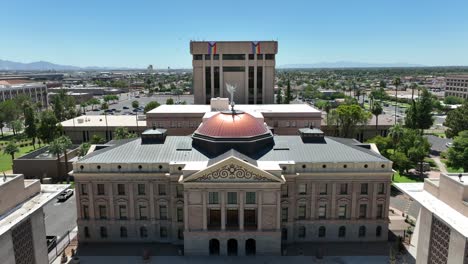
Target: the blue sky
pixel 137 33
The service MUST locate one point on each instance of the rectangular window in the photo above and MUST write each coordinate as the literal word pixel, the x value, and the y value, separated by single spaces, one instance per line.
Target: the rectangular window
pixel 284 214
pixel 102 212
pixel 302 188
pixel 85 212
pixel 344 188
pixel 364 187
pixel 214 218
pixel 251 56
pixel 269 56
pixel 120 189
pixel 215 56
pixel 232 197
pixel 143 211
pixel 216 82
pixel 207 56
pixel 284 190
pixel 301 212
pixel 179 191
pixel 122 212
pixel 259 85
pixel 380 211
pixel 233 56
pixel 323 189
pixel 232 218
pixel 381 188
pixel 259 56
pixel 208 84
pixel 251 85
pixel 197 57
pixel 100 189
pixel 250 218
pixel 362 210
pixel 180 214
pixel 141 189
pixel 233 69
pixel 86 232
pixel 103 232
pixel 84 189
pixel 163 232
pixel 162 189
pixel 250 198
pixel 322 212
pixel 163 212
pixel 180 234
pixel 342 212
pixel 213 198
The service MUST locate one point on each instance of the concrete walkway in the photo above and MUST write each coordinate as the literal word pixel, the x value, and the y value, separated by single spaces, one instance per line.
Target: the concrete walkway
pixel 439 164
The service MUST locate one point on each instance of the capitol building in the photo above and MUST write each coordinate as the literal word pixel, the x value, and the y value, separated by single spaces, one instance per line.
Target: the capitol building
pixel 233 187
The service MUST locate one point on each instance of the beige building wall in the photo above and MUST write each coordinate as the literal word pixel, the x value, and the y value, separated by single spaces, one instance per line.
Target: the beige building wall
pixel 457 86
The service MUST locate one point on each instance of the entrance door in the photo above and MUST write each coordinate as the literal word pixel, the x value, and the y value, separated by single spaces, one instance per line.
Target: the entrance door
pixel 232 247
pixel 214 247
pixel 250 247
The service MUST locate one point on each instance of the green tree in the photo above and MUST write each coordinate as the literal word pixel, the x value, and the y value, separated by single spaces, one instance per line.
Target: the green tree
pixel 453 100
pixel 63 106
pixel 456 121
pixel 396 82
pixel 396 133
pixel 413 86
pixel 376 110
pixel 347 118
pixel 288 96
pixel 170 101
pixel 96 139
pixel 105 107
pixel 419 115
pixel 150 106
pixel 30 124
pixel 135 104
pixel 9 112
pixel 401 163
pixel 66 145
pixel 458 153
pixel 56 147
pixel 122 133
pixel 382 143
pixel 11 149
pixel 83 149
pixel 16 126
pixel 93 102
pixel 48 128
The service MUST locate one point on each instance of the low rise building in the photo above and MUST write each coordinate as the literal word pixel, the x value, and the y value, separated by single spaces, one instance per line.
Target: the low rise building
pixel 22 228
pixel 36 91
pixel 456 85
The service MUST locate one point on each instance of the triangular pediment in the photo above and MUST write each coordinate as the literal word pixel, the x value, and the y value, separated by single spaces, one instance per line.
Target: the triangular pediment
pixel 232 169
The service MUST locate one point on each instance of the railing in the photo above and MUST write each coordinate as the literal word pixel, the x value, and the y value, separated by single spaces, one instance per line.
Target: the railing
pixel 60 246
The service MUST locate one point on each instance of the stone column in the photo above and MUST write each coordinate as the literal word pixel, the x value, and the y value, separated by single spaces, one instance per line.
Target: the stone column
pixel 91 200
pixel 131 202
pixel 221 77
pixel 111 202
pixel 333 202
pixel 255 79
pixel 278 210
pixel 151 200
pixel 223 210
pixel 312 201
pixel 259 206
pixel 186 225
pixel 387 199
pixel 354 189
pixel 241 210
pixel 373 204
pixel 205 219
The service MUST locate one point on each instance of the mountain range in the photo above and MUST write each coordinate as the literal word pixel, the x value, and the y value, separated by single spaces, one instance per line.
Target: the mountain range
pixel 349 64
pixel 6 65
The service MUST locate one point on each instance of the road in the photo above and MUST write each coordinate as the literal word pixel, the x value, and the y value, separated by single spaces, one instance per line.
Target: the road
pixel 60 217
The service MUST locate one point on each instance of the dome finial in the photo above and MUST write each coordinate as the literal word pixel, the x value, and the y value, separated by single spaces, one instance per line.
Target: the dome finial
pixel 231 90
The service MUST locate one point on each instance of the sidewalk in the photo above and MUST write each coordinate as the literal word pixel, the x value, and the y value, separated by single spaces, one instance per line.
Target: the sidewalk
pixel 73 245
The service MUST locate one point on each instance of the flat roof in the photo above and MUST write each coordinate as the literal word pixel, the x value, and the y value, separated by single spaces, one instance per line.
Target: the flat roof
pixel 30 206
pixel 442 210
pixel 263 108
pixel 100 121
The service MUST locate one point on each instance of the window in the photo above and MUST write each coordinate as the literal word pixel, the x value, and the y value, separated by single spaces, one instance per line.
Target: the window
pixel 364 187
pixel 162 189
pixel 207 56
pixel 100 189
pixel 197 57
pixel 163 232
pixel 322 231
pixel 342 231
pixel 344 188
pixel 233 69
pixel 251 56
pixel 120 189
pixel 362 231
pixel 342 211
pixel 362 210
pixel 322 212
pixel 232 218
pixel 84 189
pixel 259 56
pixel 213 198
pixel 259 85
pixel 301 212
pixel 250 218
pixel 123 212
pixel 103 232
pixel 215 56
pixel 323 188
pixel 284 214
pixel 232 198
pixel 162 212
pixel 86 232
pixel 180 214
pixel 250 198
pixel 85 212
pixel 123 231
pixel 214 221
pixel 141 189
pixel 216 81
pixel 378 231
pixel 302 188
pixel 251 83
pixel 284 190
pixel 180 234
pixel 233 56
pixel 301 232
pixel 143 232
pixel 381 188
pixel 269 56
pixel 207 84
pixel 380 211
pixel 179 191
pixel 102 212
pixel 284 234
pixel 143 212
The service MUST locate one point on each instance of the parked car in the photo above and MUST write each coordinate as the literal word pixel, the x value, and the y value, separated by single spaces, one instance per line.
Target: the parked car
pixel 125 107
pixel 63 196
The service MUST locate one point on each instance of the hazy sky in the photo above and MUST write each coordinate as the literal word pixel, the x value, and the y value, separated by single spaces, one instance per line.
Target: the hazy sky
pixel 137 33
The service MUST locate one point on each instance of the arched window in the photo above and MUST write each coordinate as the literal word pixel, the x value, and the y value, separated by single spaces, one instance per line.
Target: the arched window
pixel 143 232
pixel 342 231
pixel 302 232
pixel 362 231
pixel 123 231
pixel 378 231
pixel 322 231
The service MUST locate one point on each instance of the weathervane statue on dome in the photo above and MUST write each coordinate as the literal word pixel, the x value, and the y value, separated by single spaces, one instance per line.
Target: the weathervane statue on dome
pixel 231 90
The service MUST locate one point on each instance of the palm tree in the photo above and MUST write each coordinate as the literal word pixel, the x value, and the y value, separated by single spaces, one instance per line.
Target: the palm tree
pixel 11 149
pixel 104 107
pixel 413 86
pixel 376 110
pixel 56 148
pixel 396 133
pixel 397 83
pixel 66 144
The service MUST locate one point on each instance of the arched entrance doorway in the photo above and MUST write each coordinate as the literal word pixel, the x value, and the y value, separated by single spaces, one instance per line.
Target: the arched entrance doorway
pixel 250 247
pixel 232 247
pixel 214 247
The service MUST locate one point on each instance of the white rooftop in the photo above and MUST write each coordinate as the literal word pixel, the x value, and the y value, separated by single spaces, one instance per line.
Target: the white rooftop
pixel 450 216
pixel 263 108
pixel 100 121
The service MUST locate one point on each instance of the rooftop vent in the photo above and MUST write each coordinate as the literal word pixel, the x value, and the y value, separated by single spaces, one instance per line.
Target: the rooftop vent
pixel 153 136
pixel 312 135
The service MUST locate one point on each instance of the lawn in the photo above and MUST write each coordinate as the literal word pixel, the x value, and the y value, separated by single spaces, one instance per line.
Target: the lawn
pixel 450 169
pixel 405 178
pixel 5 159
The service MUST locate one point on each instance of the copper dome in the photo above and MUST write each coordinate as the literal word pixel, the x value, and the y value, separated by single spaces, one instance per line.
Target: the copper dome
pixel 232 125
